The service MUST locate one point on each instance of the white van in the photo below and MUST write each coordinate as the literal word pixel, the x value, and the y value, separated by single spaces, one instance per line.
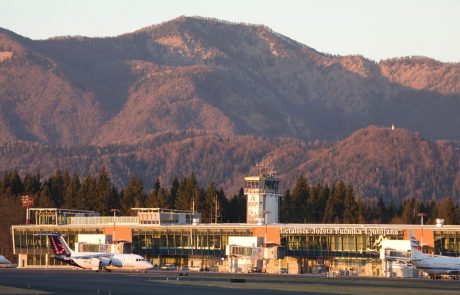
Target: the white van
pixel 168 267
pixel 195 268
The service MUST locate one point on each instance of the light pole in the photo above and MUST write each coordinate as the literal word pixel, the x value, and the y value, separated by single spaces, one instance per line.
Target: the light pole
pixel 114 210
pixel 421 215
pixel 266 212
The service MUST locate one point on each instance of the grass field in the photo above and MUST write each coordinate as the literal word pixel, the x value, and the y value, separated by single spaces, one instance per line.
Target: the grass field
pixel 12 290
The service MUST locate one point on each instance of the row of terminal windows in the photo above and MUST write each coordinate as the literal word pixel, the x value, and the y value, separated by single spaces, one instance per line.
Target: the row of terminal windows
pixel 31 243
pixel 354 243
pixel 41 260
pixel 205 239
pixel 447 243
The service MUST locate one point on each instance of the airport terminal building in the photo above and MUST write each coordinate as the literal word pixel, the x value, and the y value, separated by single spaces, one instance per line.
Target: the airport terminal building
pixel 174 236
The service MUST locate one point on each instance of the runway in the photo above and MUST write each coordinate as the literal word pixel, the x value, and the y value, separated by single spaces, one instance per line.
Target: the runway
pixel 71 281
pixel 88 282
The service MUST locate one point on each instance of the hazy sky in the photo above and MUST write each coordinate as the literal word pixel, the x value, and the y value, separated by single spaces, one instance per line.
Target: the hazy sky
pixel 375 29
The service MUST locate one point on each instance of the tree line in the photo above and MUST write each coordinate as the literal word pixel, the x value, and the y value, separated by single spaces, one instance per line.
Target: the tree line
pixel 306 203
pixel 98 193
pixel 303 203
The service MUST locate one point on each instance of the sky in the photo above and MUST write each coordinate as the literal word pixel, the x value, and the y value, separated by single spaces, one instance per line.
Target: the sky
pixel 376 29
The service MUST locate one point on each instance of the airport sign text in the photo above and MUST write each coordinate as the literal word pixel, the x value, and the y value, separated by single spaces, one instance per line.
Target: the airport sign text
pixel 371 231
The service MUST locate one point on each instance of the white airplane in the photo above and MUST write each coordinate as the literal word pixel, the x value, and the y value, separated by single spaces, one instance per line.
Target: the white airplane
pixel 94 260
pixel 433 265
pixel 5 263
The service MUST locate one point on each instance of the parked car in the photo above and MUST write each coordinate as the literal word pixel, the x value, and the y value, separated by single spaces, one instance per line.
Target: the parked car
pixel 168 267
pixel 255 269
pixel 283 270
pixel 196 268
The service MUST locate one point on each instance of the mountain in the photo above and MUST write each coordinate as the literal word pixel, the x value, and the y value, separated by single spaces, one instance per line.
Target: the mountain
pixel 213 97
pixel 215 77
pixel 392 164
pixel 377 161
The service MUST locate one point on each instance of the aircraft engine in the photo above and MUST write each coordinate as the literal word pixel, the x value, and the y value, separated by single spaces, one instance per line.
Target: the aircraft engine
pixel 102 262
pixel 116 262
pixel 105 261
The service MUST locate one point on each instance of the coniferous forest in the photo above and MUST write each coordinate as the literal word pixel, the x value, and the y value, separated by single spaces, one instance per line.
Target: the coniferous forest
pixel 303 203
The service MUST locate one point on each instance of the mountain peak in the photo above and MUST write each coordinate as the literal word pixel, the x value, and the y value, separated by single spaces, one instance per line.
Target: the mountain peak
pixel 214 76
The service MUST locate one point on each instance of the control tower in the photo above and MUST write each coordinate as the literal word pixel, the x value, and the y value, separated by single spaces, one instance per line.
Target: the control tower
pixel 263 196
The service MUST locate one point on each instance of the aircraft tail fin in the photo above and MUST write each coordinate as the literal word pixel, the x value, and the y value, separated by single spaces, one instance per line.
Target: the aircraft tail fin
pixel 58 245
pixel 416 253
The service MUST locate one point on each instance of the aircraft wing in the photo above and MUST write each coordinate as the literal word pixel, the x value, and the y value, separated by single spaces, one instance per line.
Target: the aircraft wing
pixel 93 255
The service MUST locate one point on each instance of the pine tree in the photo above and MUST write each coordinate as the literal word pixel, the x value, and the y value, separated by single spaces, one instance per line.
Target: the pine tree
pixel 350 211
pixel 286 207
pixel 56 186
pixel 106 196
pixel 32 184
pixel 157 185
pixel 71 193
pixel 173 193
pixel 382 211
pixel 189 195
pixel 162 197
pixel 448 211
pixel 335 203
pixel 223 205
pixel 158 197
pixel 300 200
pixel 314 203
pixel 324 195
pixel 209 204
pixel 44 199
pixel 11 184
pixel 86 194
pixel 409 211
pixel 237 208
pixel 132 196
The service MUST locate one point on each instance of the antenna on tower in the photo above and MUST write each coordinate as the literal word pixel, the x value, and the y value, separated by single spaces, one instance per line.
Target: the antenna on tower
pixel 266 169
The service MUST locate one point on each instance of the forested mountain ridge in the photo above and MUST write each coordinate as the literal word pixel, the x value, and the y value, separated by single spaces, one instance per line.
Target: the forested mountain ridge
pixel 213 76
pixel 392 164
pixel 213 97
pixel 377 161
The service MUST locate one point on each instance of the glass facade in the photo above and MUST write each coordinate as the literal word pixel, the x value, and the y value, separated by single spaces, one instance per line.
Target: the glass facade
pixel 153 243
pixel 310 246
pixel 184 241
pixel 28 241
pixel 447 242
pixel 333 245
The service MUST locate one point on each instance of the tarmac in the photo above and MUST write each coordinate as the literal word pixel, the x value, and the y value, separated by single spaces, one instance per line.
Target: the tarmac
pixel 75 281
pixel 87 282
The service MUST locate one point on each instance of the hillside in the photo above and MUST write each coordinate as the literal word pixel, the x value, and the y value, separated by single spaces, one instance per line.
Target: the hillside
pixel 378 162
pixel 216 77
pixel 212 97
pixel 392 164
